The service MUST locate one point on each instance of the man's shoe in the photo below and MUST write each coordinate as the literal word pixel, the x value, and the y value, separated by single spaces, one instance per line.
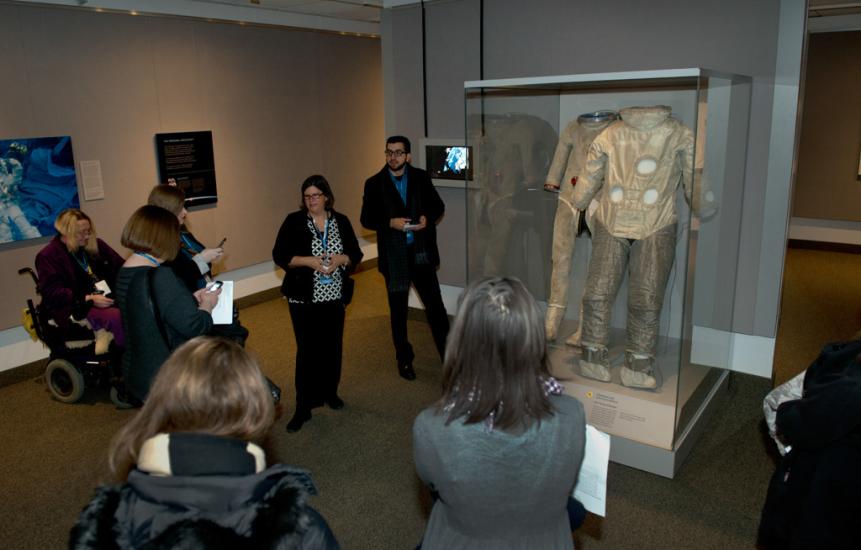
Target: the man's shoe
pixel 335 403
pixel 299 418
pixel 406 371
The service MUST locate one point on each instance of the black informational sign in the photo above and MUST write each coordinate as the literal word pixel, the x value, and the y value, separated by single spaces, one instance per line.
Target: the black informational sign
pixel 185 159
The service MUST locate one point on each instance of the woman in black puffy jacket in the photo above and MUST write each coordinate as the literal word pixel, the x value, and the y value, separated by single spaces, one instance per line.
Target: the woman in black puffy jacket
pixel 191 472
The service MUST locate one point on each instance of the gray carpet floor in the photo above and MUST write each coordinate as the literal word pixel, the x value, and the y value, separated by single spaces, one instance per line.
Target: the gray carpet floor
pixel 53 455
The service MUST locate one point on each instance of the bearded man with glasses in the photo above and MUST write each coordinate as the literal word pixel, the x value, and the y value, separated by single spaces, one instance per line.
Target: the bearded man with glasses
pixel 401 204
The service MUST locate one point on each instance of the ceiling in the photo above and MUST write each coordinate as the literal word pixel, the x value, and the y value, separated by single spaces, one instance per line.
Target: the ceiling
pixel 826 8
pixel 354 10
pixel 345 16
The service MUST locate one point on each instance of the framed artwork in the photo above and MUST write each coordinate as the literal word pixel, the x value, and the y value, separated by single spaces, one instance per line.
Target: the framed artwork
pixel 37 182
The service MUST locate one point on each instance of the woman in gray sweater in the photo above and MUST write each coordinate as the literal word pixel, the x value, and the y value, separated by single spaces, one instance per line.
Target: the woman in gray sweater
pixel 501 450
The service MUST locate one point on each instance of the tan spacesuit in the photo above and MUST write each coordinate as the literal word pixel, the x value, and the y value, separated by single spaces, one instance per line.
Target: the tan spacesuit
pixel 633 169
pixel 513 157
pixel 568 161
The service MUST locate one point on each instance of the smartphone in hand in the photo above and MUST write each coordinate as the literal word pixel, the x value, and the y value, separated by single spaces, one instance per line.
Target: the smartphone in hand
pixel 215 286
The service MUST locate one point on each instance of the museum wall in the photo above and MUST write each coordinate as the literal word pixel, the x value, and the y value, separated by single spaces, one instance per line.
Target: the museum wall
pixel 827 185
pixel 558 37
pixel 281 104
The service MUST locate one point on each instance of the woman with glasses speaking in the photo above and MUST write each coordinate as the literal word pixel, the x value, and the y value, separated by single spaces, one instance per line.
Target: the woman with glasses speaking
pixel 317 249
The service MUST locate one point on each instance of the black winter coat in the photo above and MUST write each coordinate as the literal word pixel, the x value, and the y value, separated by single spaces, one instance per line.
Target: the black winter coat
pixel 813 498
pixel 261 511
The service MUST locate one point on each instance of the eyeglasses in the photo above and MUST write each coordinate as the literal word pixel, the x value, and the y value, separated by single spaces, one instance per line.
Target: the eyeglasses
pixel 311 196
pixel 396 154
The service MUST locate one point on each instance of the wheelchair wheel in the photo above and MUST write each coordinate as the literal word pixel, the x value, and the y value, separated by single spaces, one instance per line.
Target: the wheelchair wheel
pixel 64 380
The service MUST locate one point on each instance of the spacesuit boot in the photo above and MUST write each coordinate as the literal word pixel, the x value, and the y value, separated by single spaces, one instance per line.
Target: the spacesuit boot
pixel 574 339
pixel 640 371
pixel 595 363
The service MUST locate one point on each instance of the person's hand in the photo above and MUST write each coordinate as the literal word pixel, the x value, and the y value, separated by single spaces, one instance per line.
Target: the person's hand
pixel 207 300
pixel 423 222
pixel 317 263
pixel 398 223
pixel 99 300
pixel 211 254
pixel 339 260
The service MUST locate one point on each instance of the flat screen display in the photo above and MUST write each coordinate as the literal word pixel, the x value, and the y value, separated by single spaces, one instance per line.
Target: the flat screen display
pixel 449 162
pixel 37 182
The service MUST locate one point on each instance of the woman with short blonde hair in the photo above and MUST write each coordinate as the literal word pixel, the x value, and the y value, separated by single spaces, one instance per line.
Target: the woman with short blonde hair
pixel 66 225
pixel 77 273
pixel 191 469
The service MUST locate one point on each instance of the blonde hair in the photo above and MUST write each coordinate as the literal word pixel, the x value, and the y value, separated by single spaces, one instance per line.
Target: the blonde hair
pixel 169 197
pixel 153 230
pixel 66 225
pixel 208 385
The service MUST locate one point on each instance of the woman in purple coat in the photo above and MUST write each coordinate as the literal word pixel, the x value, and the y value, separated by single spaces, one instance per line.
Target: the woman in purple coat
pixel 77 272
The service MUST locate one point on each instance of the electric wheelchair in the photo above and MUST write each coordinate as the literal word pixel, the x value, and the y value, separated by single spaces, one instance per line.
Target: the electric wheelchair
pixel 73 364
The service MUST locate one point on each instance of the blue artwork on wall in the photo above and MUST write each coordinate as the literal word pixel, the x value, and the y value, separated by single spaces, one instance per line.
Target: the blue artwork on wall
pixel 37 182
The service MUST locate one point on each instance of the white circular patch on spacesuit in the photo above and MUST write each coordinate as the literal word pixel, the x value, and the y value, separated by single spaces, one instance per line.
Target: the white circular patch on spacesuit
pixel 617 194
pixel 710 196
pixel 646 166
pixel 650 196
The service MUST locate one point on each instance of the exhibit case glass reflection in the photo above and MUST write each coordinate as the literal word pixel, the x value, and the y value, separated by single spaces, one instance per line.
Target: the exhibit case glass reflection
pixel 617 199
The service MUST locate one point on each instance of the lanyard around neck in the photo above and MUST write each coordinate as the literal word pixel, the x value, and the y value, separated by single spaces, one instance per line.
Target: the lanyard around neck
pixel 81 259
pixel 322 235
pixel 149 258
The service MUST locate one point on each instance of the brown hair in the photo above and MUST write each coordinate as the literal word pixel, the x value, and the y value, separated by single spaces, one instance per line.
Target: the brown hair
pixel 153 230
pixel 208 385
pixel 169 197
pixel 320 183
pixel 496 357
pixel 66 225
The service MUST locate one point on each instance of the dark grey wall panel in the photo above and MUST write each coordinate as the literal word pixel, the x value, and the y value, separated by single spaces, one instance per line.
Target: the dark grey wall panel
pixel 451 235
pixel 452 58
pixel 405 72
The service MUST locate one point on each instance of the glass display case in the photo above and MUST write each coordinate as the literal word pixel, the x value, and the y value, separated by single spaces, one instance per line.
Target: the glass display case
pixel 661 155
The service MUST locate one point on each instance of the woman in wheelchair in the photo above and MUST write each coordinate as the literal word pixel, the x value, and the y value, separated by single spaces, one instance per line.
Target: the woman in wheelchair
pixel 77 272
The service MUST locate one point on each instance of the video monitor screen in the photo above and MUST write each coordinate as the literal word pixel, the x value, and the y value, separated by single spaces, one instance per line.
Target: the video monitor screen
pixel 37 182
pixel 449 162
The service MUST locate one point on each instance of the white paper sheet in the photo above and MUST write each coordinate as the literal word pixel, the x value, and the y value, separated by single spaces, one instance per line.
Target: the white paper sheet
pixel 591 487
pixel 223 312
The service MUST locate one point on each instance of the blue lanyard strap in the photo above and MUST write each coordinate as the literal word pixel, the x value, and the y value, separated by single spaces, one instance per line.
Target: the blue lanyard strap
pixel 149 258
pixel 82 261
pixel 189 244
pixel 323 235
